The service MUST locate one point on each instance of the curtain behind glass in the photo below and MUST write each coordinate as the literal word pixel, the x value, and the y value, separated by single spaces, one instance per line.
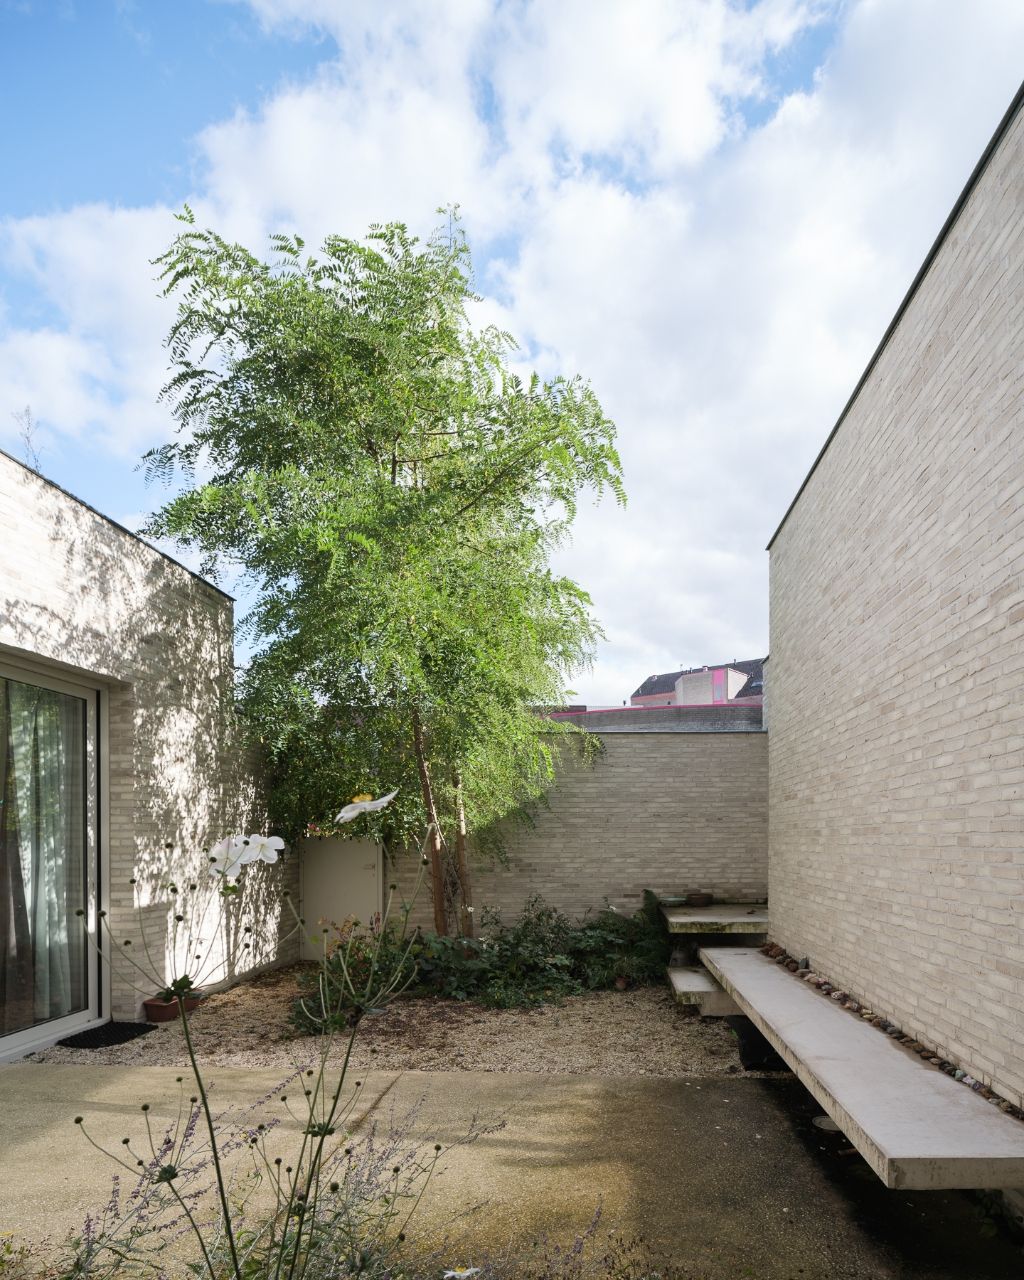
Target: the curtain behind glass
pixel 43 969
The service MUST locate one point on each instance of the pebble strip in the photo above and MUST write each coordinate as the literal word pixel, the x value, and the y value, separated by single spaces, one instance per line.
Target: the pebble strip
pixel 801 969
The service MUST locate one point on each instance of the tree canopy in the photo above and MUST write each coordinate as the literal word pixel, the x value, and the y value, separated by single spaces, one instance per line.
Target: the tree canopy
pixel 393 489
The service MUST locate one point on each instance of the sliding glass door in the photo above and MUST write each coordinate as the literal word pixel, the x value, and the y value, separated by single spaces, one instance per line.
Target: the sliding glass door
pixel 47 857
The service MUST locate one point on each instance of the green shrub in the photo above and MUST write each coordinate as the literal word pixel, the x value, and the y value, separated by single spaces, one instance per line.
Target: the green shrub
pixel 543 956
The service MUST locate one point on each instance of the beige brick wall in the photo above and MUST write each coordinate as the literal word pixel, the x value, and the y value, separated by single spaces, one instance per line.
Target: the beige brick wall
pixel 897 656
pixel 83 599
pixel 664 811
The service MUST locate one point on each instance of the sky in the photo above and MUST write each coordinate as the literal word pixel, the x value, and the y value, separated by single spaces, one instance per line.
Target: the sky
pixel 710 209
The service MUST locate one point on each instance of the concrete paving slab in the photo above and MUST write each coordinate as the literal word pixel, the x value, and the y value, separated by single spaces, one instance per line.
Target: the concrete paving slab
pixel 727 1177
pixel 723 917
pixel 915 1126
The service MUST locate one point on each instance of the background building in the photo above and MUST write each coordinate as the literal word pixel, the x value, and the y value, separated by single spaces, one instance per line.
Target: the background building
pixel 702 686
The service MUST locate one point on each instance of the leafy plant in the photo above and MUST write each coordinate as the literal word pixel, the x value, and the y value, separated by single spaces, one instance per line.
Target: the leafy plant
pixel 394 491
pixel 542 956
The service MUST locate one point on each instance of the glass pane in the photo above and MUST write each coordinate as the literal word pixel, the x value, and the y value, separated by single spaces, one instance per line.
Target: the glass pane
pixel 43 961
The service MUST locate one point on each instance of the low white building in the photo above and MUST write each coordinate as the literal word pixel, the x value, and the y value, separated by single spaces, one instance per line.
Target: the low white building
pixel 119 759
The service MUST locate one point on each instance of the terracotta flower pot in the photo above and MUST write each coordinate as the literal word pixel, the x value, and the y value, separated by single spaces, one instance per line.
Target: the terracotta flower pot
pixel 160 1010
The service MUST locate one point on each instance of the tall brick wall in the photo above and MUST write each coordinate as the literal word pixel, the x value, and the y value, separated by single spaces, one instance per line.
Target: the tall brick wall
pixel 83 599
pixel 897 656
pixel 664 811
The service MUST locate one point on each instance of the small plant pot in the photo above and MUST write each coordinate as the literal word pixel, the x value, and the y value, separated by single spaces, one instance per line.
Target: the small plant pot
pixel 699 899
pixel 160 1010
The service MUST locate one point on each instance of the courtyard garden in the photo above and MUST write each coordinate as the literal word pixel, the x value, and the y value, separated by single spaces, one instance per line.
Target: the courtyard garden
pixel 487 1098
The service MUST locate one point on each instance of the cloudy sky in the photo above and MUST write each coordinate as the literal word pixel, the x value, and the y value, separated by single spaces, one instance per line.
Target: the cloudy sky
pixel 710 208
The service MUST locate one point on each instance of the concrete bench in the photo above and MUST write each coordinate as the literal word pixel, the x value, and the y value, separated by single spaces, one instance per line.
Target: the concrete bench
pixel 697 987
pixel 915 1126
pixel 724 917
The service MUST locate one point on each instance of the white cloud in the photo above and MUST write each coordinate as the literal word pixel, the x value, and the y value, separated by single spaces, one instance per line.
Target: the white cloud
pixel 100 374
pixel 722 283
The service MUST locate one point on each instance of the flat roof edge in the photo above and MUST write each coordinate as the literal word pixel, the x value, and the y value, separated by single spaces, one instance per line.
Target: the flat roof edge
pixel 120 527
pixel 1009 116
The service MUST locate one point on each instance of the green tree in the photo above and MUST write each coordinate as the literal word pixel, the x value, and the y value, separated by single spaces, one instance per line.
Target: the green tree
pixel 393 490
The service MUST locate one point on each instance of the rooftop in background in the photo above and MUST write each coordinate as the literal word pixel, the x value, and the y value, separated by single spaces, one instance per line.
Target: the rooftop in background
pixel 727 682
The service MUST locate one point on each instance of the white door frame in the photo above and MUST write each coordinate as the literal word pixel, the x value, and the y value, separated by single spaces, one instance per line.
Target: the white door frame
pixel 97 1010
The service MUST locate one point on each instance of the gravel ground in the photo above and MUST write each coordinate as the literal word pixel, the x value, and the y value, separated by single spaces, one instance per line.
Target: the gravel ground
pixel 640 1032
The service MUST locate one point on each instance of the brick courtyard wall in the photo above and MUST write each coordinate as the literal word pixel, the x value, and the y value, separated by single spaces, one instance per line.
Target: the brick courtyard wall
pixel 668 811
pixel 897 663
pixel 84 600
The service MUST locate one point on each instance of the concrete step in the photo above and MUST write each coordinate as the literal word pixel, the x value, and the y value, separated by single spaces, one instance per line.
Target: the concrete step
pixel 696 986
pixel 723 917
pixel 915 1126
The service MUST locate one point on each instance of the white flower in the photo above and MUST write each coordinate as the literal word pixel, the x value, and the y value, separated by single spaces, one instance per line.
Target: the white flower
pixel 263 848
pixel 228 856
pixel 459 1273
pixel 364 805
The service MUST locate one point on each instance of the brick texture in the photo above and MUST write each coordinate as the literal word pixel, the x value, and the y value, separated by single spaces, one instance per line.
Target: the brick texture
pixel 664 811
pixel 897 652
pixel 83 599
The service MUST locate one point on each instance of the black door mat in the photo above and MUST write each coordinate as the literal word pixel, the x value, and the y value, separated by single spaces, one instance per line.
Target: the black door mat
pixel 109 1034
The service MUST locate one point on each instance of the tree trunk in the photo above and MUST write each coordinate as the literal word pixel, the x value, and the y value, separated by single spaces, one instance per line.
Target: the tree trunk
pixel 462 864
pixel 436 869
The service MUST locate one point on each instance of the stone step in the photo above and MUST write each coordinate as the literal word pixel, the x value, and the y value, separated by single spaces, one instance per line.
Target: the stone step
pixel 723 917
pixel 915 1126
pixel 696 986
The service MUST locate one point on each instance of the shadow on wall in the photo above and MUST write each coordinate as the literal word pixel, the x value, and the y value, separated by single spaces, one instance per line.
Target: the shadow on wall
pixel 180 776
